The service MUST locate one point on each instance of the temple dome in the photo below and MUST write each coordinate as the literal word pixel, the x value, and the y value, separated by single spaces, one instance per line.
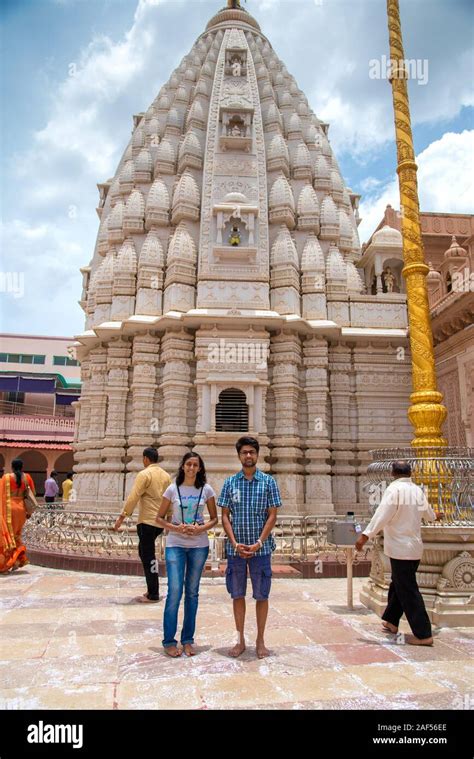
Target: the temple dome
pixel 157 204
pixel 455 250
pixel 387 236
pixel 187 191
pixel 433 276
pixel 294 126
pixel 143 166
pixel 308 201
pixel 273 116
pixel 191 146
pixel 281 194
pixel 135 205
pixel 345 231
pixel 329 211
pixel 201 88
pixel 165 158
pixel 127 258
pixel 127 177
pixel 285 99
pixel 335 267
pixel 228 16
pixel 182 95
pixel 182 245
pixel 152 253
pixel 235 197
pixel 204 196
pixel 354 281
pixel 313 257
pixel 283 249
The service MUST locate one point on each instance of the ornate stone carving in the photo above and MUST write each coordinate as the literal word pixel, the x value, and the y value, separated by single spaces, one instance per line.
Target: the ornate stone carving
pixel 458 573
pixel 318 400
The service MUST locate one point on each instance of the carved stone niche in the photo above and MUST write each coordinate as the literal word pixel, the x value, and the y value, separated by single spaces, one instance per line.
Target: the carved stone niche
pixel 236 129
pixel 236 62
pixel 235 230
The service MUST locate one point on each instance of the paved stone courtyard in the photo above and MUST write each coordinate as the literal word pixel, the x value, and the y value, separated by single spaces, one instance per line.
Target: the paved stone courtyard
pixel 72 640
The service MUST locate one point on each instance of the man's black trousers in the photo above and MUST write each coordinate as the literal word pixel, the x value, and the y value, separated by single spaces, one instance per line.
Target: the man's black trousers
pixel 404 597
pixel 147 534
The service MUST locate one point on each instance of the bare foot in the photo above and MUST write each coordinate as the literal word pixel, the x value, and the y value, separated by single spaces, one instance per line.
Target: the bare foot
pixel 388 627
pixel 173 651
pixel 238 649
pixel 189 650
pixel 262 651
pixel 145 600
pixel 412 640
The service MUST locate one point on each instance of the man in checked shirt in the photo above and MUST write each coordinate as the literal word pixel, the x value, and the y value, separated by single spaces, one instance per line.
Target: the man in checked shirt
pixel 249 501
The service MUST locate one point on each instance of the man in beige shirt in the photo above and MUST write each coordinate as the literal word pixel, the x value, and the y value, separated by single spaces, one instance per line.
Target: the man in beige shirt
pixel 399 515
pixel 147 491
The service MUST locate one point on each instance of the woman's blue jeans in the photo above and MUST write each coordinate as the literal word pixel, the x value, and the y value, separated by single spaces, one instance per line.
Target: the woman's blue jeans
pixel 184 568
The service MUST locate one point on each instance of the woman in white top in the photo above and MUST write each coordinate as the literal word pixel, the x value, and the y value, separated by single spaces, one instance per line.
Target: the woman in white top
pixel 187 548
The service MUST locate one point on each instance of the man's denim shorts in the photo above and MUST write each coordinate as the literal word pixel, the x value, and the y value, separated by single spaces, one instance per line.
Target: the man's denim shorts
pixel 260 569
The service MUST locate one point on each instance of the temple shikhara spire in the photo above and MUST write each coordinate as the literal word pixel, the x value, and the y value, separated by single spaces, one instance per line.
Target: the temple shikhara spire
pixel 227 291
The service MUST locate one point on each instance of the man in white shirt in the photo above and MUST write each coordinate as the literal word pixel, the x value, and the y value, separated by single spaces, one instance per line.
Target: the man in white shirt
pixel 399 515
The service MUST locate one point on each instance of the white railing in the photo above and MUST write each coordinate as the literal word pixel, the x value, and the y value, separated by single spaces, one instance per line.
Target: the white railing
pixel 9 408
pixel 86 533
pixel 38 425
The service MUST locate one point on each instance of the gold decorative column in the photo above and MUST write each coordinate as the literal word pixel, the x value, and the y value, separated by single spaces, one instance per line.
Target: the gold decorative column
pixel 426 413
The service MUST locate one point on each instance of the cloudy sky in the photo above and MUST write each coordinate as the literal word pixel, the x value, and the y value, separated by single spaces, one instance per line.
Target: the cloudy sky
pixel 76 71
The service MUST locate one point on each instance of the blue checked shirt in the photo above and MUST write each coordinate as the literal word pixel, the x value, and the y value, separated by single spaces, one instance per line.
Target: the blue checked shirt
pixel 248 502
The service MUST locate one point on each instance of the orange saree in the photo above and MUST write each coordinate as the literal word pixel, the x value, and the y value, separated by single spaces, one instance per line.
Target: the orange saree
pixel 12 519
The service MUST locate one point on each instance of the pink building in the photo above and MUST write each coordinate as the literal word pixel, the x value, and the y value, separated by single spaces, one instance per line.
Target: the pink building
pixel 448 241
pixel 39 382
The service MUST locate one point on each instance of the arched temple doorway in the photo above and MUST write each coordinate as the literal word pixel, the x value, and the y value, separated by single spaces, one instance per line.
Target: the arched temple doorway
pixel 35 463
pixel 64 464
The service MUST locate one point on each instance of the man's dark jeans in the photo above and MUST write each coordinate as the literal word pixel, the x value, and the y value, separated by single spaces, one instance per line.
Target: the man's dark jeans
pixel 147 534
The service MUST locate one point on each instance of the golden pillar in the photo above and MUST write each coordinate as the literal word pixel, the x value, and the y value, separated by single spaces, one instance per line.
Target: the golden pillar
pixel 426 413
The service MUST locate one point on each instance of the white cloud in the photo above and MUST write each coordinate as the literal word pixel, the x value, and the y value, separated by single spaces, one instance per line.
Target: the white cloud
pixel 53 231
pixel 329 48
pixel 445 182
pixel 369 184
pixel 48 257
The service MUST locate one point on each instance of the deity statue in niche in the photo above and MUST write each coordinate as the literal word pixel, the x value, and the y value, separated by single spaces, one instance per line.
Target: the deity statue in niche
pixel 236 130
pixel 234 238
pixel 389 279
pixel 236 67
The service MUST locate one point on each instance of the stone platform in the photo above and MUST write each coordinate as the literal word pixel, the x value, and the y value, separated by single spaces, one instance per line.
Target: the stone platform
pixel 72 640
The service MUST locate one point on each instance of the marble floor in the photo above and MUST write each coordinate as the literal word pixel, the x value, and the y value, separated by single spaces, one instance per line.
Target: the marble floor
pixel 72 640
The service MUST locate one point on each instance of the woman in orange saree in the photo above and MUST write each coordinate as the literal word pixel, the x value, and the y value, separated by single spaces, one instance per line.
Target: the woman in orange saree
pixel 12 517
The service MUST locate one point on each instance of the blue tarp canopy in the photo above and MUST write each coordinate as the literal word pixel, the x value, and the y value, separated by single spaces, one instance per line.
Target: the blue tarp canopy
pixel 16 384
pixel 65 400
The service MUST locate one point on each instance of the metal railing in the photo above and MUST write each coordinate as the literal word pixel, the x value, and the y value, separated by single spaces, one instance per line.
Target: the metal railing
pixel 446 474
pixel 91 534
